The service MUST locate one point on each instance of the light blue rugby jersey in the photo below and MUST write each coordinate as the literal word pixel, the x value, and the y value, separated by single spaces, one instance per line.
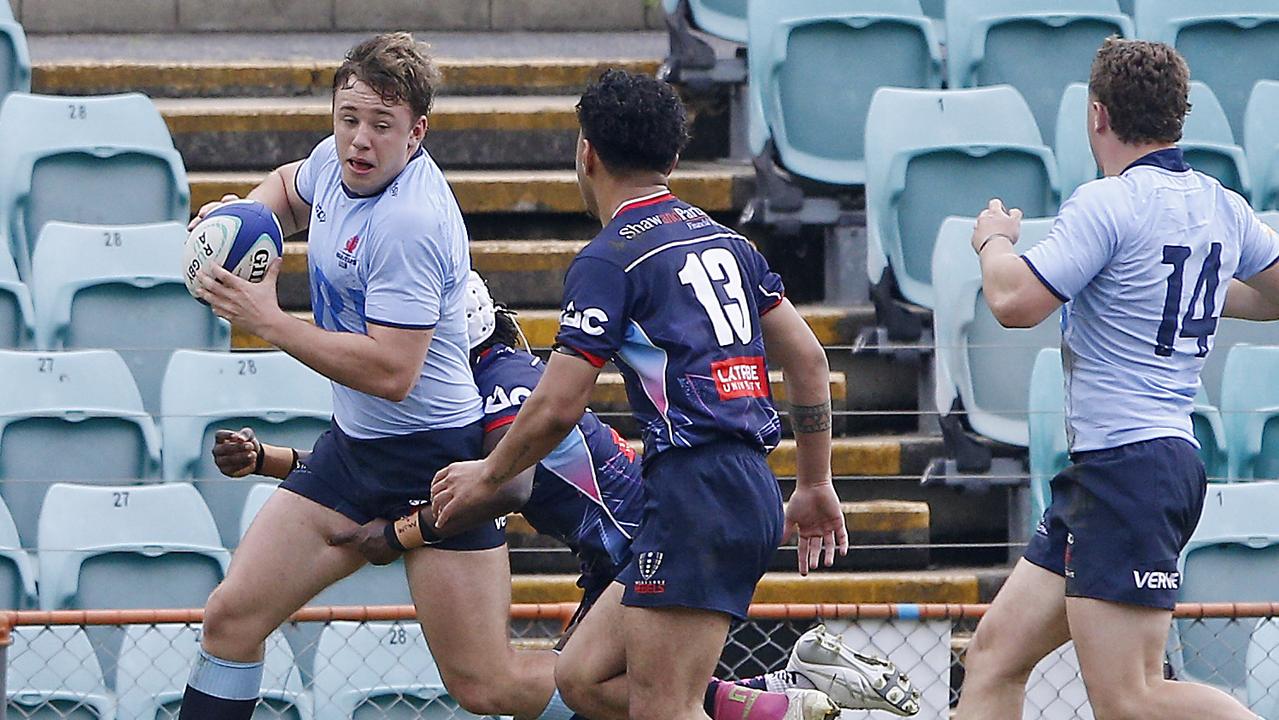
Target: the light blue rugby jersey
pixel 398 258
pixel 1143 261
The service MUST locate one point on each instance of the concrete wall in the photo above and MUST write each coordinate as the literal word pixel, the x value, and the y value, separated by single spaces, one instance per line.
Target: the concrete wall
pixel 132 16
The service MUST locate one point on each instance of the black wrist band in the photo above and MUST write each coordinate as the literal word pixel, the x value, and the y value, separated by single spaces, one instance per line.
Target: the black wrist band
pixel 257 466
pixel 427 526
pixel 990 237
pixel 297 463
pixel 391 538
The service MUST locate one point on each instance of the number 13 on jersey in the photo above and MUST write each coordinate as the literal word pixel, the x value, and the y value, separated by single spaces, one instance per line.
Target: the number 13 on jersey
pixel 719 265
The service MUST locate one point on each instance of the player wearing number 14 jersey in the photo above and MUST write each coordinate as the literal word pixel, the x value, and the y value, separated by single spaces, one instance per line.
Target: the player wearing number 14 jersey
pixel 1146 260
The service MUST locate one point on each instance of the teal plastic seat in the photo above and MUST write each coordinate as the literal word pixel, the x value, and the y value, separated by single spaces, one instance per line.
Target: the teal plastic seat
pixel 1230 558
pixel 1229 44
pixel 92 284
pixel 987 365
pixel 15 61
pixel 1231 332
pixel 1046 420
pixel 1250 406
pixel 114 150
pixel 722 18
pixel 17 316
pixel 1270 218
pixel 1207 141
pixel 285 402
pixel 70 416
pixel 935 153
pixel 1037 46
pixel 815 119
pixel 1261 141
pixel 148 546
pixel 53 674
pixel 155 661
pixel 378 670
pixel 17 574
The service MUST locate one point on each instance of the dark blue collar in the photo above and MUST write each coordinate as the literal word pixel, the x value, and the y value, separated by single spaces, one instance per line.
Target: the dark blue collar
pixel 1170 159
pixel 357 196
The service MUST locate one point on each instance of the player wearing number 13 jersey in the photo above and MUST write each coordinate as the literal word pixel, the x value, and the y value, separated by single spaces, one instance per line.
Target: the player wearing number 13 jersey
pixel 1146 260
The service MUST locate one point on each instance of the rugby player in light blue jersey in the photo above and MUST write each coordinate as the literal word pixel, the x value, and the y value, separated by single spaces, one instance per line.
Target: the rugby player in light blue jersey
pixel 388 258
pixel 1145 260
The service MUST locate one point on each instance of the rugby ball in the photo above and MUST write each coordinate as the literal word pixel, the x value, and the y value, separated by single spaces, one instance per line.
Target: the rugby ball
pixel 242 236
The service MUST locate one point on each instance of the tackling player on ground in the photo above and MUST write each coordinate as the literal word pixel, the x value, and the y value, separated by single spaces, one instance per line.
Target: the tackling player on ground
pixel 683 305
pixel 1146 260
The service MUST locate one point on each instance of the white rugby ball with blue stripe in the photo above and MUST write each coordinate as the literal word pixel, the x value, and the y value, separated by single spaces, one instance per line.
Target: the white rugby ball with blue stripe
pixel 242 236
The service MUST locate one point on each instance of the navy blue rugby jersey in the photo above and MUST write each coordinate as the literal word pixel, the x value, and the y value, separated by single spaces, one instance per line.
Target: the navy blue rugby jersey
pixel 587 493
pixel 675 299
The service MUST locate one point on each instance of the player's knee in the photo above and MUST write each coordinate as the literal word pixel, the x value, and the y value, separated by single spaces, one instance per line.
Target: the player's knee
pixel 991 657
pixel 230 630
pixel 476 694
pixel 575 688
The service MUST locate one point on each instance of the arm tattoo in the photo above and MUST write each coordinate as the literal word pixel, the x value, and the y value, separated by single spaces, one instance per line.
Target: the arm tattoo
pixel 810 418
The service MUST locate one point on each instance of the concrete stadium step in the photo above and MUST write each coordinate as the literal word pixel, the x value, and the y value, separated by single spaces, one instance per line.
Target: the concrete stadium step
pixel 925 586
pixel 291 78
pixel 712 186
pixel 465 132
pixel 883 524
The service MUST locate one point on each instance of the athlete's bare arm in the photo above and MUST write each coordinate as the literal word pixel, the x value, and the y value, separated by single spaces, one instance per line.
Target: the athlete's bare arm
pixel 277 192
pixel 1255 299
pixel 554 408
pixel 813 511
pixel 1016 297
pixel 385 363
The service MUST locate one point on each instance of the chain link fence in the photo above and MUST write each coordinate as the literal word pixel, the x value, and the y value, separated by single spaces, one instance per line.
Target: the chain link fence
pixel 371 663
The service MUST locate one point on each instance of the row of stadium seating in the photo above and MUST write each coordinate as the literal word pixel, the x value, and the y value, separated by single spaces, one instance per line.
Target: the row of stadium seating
pixel 60 672
pixel 77 416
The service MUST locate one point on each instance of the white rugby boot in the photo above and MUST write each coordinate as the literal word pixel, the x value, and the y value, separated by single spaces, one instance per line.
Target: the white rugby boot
pixel 806 704
pixel 853 680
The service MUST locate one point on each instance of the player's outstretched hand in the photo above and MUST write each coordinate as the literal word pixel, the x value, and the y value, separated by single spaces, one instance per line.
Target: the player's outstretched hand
pixel 996 220
pixel 209 207
pixel 236 452
pixel 250 306
pixel 370 540
pixel 814 516
pixel 456 487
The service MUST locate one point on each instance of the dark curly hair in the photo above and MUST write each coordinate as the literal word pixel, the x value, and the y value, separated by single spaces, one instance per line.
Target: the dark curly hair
pixel 635 122
pixel 395 66
pixel 1145 86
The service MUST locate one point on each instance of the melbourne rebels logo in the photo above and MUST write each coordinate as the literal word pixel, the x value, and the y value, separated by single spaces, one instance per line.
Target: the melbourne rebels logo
pixel 649 563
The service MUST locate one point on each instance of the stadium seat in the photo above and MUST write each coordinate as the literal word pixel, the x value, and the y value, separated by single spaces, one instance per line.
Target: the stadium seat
pixel 1232 332
pixel 1209 144
pixel 987 365
pixel 17 575
pixel 1261 141
pixel 1207 141
pixel 1049 453
pixel 1250 406
pixel 722 18
pixel 148 546
pixel 53 674
pixel 115 151
pixel 92 283
pixel 155 661
pixel 1200 30
pixel 378 670
pixel 935 153
pixel 1270 218
pixel 815 119
pixel 1230 558
pixel 15 62
pixel 72 416
pixel 285 402
pixel 1209 430
pixel 17 316
pixel 1037 46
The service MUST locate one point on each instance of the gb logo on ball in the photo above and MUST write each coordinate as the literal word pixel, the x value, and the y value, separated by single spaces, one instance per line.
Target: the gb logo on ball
pixel 649 563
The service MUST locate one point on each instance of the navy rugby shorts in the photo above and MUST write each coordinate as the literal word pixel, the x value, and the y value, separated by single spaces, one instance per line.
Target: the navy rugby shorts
pixel 712 523
pixel 390 477
pixel 1119 519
